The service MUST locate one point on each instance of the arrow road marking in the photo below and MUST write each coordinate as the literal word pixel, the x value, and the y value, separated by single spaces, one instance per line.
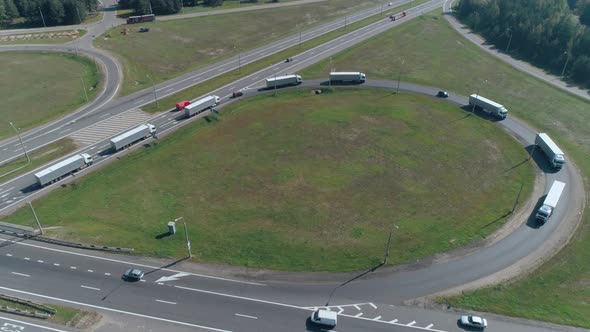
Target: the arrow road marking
pixel 173 277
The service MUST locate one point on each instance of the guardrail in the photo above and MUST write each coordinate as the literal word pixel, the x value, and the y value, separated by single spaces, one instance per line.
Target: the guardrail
pixel 47 311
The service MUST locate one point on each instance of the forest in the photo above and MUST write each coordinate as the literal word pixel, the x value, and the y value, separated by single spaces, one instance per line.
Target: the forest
pixel 46 12
pixel 551 34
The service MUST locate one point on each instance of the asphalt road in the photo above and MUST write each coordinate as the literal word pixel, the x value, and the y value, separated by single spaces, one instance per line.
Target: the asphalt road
pixel 277 304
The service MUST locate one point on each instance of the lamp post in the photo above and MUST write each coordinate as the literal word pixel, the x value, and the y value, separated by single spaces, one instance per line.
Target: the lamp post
pixel 154 86
pixel 565 65
pixel 42 18
pixel 477 97
pixel 509 40
pixel 188 242
pixel 388 245
pixel 21 142
pixel 399 76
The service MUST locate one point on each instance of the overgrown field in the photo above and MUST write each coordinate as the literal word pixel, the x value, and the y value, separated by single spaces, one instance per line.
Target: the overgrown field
pixel 303 182
pixel 36 87
pixel 175 47
pixel 432 53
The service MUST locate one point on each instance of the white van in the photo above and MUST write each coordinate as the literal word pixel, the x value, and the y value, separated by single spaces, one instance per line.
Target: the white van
pixel 324 317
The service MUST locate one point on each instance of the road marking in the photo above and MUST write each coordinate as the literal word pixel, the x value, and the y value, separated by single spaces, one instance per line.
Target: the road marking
pixel 232 87
pixel 103 115
pixel 4 195
pixel 141 280
pixel 138 102
pixel 173 278
pixel 56 264
pixel 9 255
pixel 90 271
pixel 340 310
pixel 169 89
pixel 247 316
pixel 7 190
pixel 238 297
pixel 429 326
pixel 167 302
pixel 107 274
pixel 127 263
pixel 21 274
pixel 411 323
pixel 39 261
pixel 377 318
pixel 88 287
pixel 64 131
pixel 30 324
pixel 114 310
pixel 73 267
pixel 359 314
pixel 393 321
pixel 255 77
pixel 372 305
pixel 27 259
pixel 357 307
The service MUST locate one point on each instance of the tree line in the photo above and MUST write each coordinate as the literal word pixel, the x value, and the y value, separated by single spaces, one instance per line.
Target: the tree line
pixel 552 34
pixel 165 7
pixel 53 12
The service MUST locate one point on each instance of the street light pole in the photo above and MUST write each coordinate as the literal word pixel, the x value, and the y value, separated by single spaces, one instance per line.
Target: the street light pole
pixel 21 142
pixel 564 66
pixel 84 87
pixel 509 40
pixel 388 245
pixel 42 18
pixel 476 98
pixel 188 243
pixel 155 95
pixel 37 219
pixel 399 76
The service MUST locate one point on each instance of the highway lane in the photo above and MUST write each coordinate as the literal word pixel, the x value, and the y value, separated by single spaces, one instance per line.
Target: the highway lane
pixel 65 127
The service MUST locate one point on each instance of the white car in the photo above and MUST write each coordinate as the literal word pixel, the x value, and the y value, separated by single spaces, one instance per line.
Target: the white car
pixel 474 321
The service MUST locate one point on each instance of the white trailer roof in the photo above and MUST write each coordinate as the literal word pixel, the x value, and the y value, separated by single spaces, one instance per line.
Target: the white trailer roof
pixel 58 166
pixel 486 100
pixel 345 73
pixel 550 143
pixel 200 102
pixel 280 77
pixel 129 133
pixel 554 193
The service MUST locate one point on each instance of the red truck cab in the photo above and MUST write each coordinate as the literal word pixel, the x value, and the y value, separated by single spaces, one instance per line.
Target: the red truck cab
pixel 182 104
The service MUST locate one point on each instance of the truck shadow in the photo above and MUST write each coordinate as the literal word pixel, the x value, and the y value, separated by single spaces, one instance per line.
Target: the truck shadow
pixel 479 113
pixel 313 327
pixel 532 221
pixel 540 159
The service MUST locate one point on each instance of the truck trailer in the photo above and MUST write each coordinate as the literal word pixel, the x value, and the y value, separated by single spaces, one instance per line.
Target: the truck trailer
pixel 550 202
pixel 63 168
pixel 551 149
pixel 201 105
pixel 344 76
pixel 278 81
pixel 489 106
pixel 132 136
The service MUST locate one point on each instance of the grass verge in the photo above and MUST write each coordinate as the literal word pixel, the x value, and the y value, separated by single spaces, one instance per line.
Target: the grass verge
pixel 302 182
pixel 38 157
pixel 440 57
pixel 37 87
pixel 172 48
pixel 64 315
pixel 51 37
pixel 221 80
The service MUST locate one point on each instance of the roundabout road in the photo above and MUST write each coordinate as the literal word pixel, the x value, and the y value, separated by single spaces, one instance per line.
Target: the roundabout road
pixel 284 297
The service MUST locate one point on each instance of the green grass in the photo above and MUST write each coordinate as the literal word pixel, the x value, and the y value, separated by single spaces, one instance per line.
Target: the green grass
pixel 221 80
pixel 63 315
pixel 559 291
pixel 37 87
pixel 288 182
pixel 53 37
pixel 172 48
pixel 38 157
pixel 228 4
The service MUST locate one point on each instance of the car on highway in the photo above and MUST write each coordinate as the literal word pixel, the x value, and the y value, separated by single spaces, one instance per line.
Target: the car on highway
pixel 474 321
pixel 442 94
pixel 133 275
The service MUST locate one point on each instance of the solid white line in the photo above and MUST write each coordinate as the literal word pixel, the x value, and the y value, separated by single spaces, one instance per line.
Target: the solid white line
pixel 239 297
pixel 30 324
pixel 411 323
pixel 359 314
pixel 64 131
pixel 21 274
pixel 429 326
pixel 113 310
pixel 377 318
pixel 128 263
pixel 88 287
pixel 247 316
pixel 167 302
pixel 357 307
pixel 7 190
pixel 138 102
pixel 393 321
pixel 103 115
pixel 372 305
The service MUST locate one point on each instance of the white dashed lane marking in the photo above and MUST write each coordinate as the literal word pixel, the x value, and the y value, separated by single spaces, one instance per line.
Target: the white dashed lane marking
pixel 21 274
pixel 167 302
pixel 246 316
pixel 88 287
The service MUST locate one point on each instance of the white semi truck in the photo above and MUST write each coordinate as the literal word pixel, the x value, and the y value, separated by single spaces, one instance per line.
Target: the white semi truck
pixel 201 105
pixel 551 149
pixel 132 136
pixel 346 76
pixel 63 168
pixel 488 106
pixel 550 202
pixel 278 81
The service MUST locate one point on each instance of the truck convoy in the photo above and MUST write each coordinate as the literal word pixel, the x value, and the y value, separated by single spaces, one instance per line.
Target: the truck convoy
pixel 201 105
pixel 64 167
pixel 550 202
pixel 354 77
pixel 132 136
pixel 551 149
pixel 489 106
pixel 278 81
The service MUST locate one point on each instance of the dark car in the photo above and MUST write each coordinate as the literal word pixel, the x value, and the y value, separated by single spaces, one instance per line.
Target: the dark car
pixel 442 94
pixel 133 275
pixel 237 94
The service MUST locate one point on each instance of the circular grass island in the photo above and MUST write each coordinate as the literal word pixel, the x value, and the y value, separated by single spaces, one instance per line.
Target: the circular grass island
pixel 304 182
